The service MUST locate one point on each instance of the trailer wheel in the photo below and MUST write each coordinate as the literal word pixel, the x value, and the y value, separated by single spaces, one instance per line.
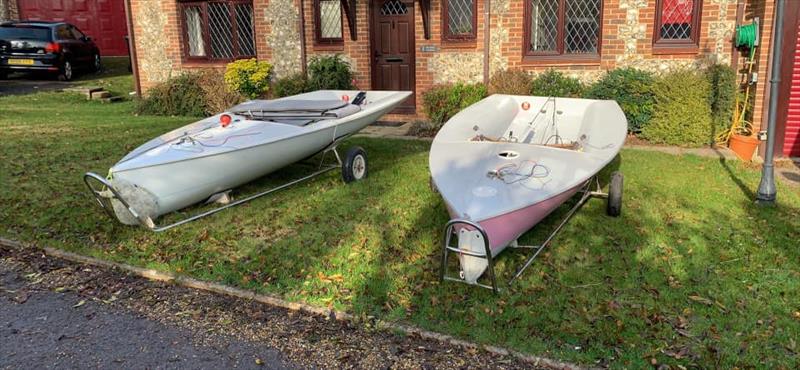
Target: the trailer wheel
pixel 614 207
pixel 355 165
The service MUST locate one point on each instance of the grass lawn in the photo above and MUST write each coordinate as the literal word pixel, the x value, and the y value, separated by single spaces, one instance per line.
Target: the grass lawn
pixel 692 273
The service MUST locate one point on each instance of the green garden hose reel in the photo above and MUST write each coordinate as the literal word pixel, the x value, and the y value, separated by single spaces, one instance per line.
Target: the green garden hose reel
pixel 747 36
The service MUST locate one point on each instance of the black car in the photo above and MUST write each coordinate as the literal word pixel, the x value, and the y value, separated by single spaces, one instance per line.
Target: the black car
pixel 57 48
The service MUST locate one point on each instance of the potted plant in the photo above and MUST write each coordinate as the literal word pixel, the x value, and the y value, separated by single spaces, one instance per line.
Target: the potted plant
pixel 740 136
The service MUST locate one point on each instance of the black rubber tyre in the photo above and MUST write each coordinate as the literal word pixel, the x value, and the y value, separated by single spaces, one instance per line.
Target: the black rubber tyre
pixel 66 72
pixel 97 63
pixel 614 207
pixel 355 165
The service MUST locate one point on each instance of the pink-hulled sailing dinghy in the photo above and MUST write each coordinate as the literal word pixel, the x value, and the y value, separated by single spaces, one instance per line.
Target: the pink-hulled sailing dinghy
pixel 506 162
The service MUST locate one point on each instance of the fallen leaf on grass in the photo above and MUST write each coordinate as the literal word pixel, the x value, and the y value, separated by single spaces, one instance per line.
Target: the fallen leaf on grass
pixel 329 279
pixel 700 299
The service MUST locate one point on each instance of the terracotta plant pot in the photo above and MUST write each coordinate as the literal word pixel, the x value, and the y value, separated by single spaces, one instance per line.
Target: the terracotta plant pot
pixel 743 146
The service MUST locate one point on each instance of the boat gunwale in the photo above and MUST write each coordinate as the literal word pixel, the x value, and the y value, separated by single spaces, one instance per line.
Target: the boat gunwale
pixel 300 133
pixel 504 212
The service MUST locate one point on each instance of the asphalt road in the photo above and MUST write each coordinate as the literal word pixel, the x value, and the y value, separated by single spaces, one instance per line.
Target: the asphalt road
pixel 46 329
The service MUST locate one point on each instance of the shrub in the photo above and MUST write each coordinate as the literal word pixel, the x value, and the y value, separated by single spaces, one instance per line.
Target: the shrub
pixel 632 89
pixel 291 85
pixel 556 84
pixel 723 95
pixel 217 96
pixel 423 129
pixel 178 96
pixel 681 115
pixel 441 102
pixel 329 72
pixel 249 77
pixel 510 81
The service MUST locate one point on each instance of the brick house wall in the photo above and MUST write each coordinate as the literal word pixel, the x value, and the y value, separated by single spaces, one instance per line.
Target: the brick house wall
pixel 627 40
pixel 8 10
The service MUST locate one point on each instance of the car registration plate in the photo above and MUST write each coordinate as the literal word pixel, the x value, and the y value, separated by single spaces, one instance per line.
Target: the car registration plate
pixel 21 62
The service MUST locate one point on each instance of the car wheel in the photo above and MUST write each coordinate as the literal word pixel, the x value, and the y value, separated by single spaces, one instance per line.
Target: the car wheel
pixel 66 72
pixel 97 65
pixel 355 165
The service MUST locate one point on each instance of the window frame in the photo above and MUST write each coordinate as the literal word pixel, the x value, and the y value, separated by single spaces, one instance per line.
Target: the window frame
pixel 461 38
pixel 207 58
pixel 671 46
pixel 327 41
pixel 558 56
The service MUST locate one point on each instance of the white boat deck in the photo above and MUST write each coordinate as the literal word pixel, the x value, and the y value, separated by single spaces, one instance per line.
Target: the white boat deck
pixel 465 170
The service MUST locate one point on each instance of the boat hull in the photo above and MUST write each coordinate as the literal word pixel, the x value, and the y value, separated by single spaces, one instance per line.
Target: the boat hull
pixel 504 229
pixel 507 162
pixel 180 183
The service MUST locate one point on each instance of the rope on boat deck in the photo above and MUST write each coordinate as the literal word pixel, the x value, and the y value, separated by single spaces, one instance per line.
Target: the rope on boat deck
pixel 511 173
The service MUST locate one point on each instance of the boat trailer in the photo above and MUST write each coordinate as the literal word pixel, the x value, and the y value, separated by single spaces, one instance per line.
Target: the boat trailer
pixel 354 167
pixel 614 207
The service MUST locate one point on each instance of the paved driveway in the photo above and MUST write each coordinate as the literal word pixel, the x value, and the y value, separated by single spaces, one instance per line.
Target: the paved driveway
pixel 19 84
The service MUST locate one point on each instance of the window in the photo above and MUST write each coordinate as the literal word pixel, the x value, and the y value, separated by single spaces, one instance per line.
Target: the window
pixel 218 30
pixel 78 34
pixel 459 19
pixel 562 28
pixel 328 22
pixel 64 33
pixel 677 25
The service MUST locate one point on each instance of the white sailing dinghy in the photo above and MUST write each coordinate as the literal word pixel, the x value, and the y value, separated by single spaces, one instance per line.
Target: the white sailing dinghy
pixel 506 162
pixel 205 159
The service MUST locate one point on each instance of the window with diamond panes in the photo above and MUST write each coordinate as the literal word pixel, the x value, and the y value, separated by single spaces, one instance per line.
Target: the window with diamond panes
pixel 218 30
pixel 459 19
pixel 562 27
pixel 677 23
pixel 328 16
pixel 394 7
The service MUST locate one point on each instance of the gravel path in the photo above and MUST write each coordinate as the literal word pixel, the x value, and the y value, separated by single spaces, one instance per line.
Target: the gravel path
pixel 55 313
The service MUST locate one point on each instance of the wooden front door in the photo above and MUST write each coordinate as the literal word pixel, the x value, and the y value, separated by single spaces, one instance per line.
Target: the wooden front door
pixel 392 43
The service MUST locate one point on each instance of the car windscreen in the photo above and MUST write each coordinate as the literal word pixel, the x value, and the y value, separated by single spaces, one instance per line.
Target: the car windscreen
pixel 24 33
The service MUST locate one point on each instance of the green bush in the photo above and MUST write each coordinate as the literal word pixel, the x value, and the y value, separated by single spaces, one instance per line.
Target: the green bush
pixel 632 89
pixel 510 81
pixel 423 128
pixel 556 84
pixel 723 95
pixel 290 85
pixel 681 115
pixel 249 77
pixel 329 72
pixel 178 96
pixel 441 102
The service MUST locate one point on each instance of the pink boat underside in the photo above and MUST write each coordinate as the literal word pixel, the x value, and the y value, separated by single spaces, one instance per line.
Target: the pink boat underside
pixel 506 228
